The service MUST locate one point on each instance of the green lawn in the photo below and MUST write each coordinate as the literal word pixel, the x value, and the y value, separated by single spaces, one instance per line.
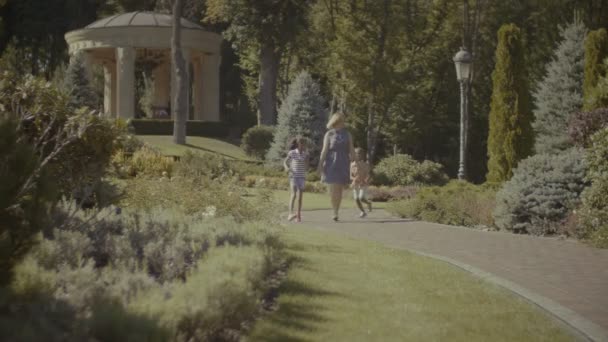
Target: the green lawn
pixel 316 201
pixel 194 144
pixel 340 289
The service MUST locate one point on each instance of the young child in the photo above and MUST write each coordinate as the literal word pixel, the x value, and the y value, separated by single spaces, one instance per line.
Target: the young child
pixel 296 164
pixel 360 176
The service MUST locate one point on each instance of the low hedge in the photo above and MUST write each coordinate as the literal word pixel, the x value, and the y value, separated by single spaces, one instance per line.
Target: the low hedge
pixel 193 128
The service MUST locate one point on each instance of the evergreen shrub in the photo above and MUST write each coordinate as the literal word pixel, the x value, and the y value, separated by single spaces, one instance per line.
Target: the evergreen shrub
pixel 403 170
pixel 257 140
pixel 457 203
pixel 302 113
pixel 543 190
pixel 510 138
pixel 560 92
pixel 77 84
pixel 596 51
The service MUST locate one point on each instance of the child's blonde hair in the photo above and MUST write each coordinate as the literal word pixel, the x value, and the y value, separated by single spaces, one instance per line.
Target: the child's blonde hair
pixel 359 150
pixel 335 120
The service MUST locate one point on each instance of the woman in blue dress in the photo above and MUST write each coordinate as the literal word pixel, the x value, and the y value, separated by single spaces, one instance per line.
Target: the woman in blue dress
pixel 334 163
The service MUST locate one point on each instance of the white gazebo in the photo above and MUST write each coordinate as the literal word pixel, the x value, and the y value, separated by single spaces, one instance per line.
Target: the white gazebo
pixel 118 42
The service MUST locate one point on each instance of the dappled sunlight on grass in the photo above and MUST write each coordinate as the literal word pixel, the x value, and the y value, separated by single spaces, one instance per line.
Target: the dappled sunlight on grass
pixel 194 144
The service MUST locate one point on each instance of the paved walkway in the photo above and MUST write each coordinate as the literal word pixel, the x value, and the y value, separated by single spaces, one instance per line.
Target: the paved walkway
pixel 567 273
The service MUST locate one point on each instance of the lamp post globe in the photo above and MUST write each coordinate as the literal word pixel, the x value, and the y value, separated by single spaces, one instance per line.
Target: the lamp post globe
pixel 463 60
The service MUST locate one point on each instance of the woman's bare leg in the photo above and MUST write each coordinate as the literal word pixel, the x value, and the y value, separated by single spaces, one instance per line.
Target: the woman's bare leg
pixel 336 197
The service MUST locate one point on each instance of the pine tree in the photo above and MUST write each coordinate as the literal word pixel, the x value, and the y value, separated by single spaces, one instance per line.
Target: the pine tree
pixel 559 93
pixel 510 137
pixel 78 84
pixel 596 51
pixel 302 113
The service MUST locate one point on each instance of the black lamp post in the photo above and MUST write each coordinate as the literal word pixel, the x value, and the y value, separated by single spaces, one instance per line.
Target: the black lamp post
pixel 463 60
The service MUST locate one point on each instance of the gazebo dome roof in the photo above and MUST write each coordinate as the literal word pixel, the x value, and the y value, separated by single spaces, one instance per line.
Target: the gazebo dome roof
pixel 141 19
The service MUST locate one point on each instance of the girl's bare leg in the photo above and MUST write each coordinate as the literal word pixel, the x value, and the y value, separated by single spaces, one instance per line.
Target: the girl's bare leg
pixel 300 194
pixel 360 205
pixel 292 201
pixel 368 202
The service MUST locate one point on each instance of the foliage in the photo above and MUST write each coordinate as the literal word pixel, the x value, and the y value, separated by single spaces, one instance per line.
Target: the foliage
pixel 282 183
pixel 596 51
pixel 262 29
pixel 143 162
pixel 584 124
pixel 559 94
pixel 543 190
pixel 257 140
pixel 165 127
pixel 403 170
pixel 510 137
pixel 77 145
pixel 138 276
pixel 302 113
pixel 22 208
pixel 387 194
pixel 594 210
pixel 77 84
pixel 44 140
pixel 457 203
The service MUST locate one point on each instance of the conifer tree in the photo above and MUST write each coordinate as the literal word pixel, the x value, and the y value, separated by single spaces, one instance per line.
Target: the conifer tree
pixel 596 51
pixel 510 138
pixel 560 93
pixel 302 113
pixel 78 84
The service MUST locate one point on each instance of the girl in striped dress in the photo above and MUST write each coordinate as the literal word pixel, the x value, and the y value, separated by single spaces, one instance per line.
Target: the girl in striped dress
pixel 296 164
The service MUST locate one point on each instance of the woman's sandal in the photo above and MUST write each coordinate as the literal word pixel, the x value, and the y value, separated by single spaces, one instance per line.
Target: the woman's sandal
pixel 335 219
pixel 291 217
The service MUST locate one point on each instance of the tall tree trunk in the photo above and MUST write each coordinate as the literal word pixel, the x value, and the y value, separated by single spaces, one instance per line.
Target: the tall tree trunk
pixel 180 105
pixel 373 124
pixel 270 58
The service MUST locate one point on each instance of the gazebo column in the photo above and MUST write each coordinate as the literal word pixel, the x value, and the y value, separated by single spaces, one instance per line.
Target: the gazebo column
pixel 109 89
pixel 125 68
pixel 210 74
pixel 162 92
pixel 198 100
pixel 186 55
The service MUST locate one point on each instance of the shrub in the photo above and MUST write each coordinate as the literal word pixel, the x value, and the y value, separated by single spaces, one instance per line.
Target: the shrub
pixel 165 127
pixel 542 191
pixel 403 170
pixel 143 162
pixel 154 277
pixel 257 141
pixel 386 194
pixel 22 207
pixel 220 294
pixel 302 113
pixel 77 83
pixel 510 138
pixel 457 203
pixel 560 93
pixel 77 143
pixel 594 211
pixel 584 124
pixel 596 50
